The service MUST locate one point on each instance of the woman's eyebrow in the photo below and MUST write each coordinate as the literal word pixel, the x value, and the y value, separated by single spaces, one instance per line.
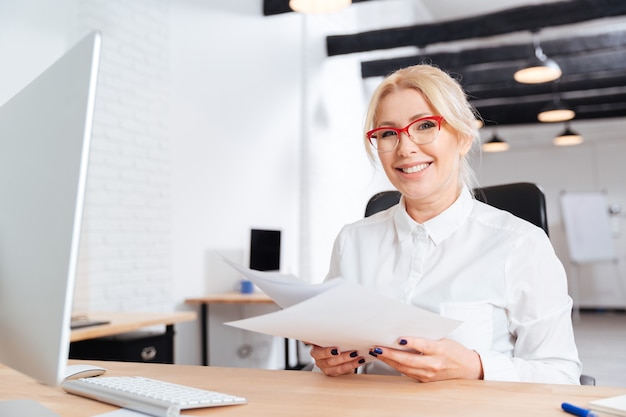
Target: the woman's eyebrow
pixel 413 118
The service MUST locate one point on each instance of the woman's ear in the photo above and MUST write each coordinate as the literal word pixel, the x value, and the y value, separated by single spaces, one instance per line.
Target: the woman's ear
pixel 465 144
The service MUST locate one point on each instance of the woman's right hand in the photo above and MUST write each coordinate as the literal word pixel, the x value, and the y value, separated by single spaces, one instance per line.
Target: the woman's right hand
pixel 335 363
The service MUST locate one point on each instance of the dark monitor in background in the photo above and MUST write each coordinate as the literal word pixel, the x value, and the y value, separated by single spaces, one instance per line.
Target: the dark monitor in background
pixel 45 133
pixel 265 250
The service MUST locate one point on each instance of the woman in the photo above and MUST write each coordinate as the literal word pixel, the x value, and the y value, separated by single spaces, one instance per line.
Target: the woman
pixel 444 251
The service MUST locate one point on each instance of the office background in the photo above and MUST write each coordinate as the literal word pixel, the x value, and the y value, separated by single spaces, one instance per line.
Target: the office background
pixel 212 119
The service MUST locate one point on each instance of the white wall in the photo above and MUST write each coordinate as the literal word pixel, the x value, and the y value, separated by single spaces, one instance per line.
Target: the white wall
pixel 236 112
pixel 32 36
pixel 212 119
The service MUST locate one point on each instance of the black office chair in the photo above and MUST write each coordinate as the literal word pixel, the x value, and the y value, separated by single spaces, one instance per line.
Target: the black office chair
pixel 522 199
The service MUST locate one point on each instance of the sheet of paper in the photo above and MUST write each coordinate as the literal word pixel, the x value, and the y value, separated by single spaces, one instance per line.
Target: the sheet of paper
pixel 285 289
pixel 350 317
pixel 612 405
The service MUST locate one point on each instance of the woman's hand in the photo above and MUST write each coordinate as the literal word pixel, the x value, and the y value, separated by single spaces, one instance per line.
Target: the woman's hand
pixel 335 363
pixel 429 360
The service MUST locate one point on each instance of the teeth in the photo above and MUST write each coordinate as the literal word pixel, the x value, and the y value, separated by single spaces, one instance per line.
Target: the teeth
pixel 416 168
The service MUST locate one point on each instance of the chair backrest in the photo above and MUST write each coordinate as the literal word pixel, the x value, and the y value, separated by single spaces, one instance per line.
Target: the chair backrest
pixel 522 199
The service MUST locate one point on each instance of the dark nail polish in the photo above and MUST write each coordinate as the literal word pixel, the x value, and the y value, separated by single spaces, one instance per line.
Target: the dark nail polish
pixel 361 360
pixel 403 341
pixel 378 351
pixel 334 352
pixel 373 354
pixel 354 354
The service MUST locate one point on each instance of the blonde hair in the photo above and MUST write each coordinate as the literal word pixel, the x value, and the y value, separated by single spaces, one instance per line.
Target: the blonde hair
pixel 445 96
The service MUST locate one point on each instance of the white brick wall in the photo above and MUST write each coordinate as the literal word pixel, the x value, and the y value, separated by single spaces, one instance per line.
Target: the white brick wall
pixel 125 261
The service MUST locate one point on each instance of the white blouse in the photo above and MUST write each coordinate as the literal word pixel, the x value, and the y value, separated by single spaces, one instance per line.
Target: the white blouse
pixel 492 270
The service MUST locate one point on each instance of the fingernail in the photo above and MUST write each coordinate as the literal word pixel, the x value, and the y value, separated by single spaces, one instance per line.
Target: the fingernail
pixel 378 351
pixel 373 354
pixel 334 352
pixel 354 354
pixel 361 360
pixel 403 342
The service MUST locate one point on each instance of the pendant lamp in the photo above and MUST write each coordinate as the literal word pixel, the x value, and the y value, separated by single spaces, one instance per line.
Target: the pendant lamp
pixel 495 144
pixel 540 69
pixel 568 137
pixel 318 6
pixel 556 111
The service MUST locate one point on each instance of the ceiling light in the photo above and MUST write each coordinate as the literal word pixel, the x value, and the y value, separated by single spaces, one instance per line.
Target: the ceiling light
pixel 318 6
pixel 495 144
pixel 567 138
pixel 540 69
pixel 556 111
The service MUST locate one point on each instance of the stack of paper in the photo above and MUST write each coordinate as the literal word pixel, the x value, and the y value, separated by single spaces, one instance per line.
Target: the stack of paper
pixel 612 405
pixel 338 313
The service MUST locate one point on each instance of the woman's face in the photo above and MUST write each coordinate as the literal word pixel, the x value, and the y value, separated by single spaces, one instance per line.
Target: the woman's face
pixel 426 175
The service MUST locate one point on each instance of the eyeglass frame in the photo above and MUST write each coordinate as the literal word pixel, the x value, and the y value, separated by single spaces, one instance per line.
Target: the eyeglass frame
pixel 439 119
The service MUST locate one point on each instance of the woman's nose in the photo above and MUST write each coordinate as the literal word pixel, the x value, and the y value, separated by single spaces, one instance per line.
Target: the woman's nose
pixel 406 144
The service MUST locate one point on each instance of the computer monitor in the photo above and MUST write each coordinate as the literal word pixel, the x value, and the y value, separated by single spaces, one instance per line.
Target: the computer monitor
pixel 265 249
pixel 44 148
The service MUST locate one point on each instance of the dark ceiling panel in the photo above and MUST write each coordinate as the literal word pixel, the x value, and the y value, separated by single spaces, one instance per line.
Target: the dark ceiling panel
pixel 594 66
pixel 272 7
pixel 573 47
pixel 526 18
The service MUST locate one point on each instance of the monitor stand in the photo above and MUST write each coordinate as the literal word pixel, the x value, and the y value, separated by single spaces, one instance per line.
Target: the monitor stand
pixel 25 407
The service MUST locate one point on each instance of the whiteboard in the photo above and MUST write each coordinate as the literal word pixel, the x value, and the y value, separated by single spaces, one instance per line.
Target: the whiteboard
pixel 587 227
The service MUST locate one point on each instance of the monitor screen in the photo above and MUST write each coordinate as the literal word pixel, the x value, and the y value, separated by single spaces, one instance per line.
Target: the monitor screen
pixel 265 250
pixel 44 147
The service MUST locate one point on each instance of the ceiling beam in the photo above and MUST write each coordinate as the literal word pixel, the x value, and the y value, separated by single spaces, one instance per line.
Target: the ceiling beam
pixel 565 87
pixel 525 18
pixel 273 7
pixel 556 48
pixel 525 112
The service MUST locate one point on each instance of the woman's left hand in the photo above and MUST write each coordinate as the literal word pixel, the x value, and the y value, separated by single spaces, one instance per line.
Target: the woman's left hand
pixel 431 360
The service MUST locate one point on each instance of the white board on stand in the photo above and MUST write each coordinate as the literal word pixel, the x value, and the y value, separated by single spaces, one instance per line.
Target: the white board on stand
pixel 587 227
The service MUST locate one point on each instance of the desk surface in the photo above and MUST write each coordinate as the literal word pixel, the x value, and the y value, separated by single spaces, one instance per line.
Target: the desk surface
pixel 231 298
pixel 301 393
pixel 127 322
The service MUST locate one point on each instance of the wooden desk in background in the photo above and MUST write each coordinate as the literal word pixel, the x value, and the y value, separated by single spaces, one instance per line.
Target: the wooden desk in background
pixel 106 341
pixel 272 393
pixel 128 322
pixel 227 298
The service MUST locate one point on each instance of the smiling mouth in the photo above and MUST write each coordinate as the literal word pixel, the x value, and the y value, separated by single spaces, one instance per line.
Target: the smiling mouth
pixel 415 168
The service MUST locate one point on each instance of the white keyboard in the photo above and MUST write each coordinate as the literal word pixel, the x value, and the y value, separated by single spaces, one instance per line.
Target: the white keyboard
pixel 150 396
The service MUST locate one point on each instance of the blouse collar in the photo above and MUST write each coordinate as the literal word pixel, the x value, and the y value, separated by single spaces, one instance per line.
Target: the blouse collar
pixel 439 227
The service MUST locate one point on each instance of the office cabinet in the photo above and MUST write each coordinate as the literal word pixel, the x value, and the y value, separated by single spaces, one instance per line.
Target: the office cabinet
pixel 139 346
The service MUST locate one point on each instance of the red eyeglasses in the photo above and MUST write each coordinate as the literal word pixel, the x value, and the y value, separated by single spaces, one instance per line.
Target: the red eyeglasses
pixel 422 131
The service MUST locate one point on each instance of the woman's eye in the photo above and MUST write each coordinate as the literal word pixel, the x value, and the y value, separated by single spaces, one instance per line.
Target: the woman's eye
pixel 387 134
pixel 428 124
